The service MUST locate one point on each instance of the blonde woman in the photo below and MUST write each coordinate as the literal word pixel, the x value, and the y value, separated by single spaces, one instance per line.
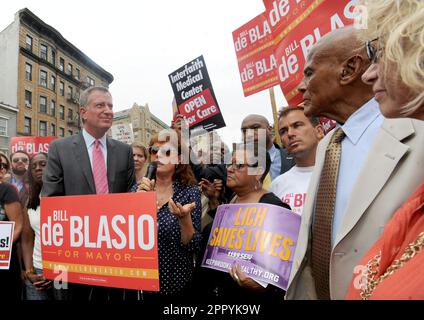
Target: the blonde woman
pixel 140 160
pixel 392 268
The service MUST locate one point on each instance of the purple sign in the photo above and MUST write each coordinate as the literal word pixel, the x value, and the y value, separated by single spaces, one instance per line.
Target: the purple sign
pixel 261 238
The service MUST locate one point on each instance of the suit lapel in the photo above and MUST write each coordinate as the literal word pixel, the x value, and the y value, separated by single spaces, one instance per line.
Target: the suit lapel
pixel 111 165
pixel 308 209
pixel 383 159
pixel 81 154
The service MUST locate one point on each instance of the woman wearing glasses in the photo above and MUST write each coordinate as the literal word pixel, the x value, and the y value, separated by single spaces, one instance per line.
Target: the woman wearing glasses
pixel 4 167
pixel 249 166
pixel 37 287
pixel 179 213
pixel 10 210
pixel 392 268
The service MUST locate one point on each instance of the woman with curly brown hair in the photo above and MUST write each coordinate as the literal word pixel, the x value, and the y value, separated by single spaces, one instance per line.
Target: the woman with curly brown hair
pixel 179 213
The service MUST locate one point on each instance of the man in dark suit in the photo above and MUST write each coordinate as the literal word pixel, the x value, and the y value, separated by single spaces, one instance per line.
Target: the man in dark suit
pixel 281 161
pixel 90 163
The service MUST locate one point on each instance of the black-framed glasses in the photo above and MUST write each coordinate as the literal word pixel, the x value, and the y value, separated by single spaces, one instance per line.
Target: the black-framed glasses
pixel 239 166
pixel 373 52
pixel 4 166
pixel 23 159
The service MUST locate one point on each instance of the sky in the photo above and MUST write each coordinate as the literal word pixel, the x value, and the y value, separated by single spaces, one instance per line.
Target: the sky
pixel 140 42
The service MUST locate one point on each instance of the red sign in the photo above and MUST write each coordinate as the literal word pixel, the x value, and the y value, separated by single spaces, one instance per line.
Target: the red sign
pixel 31 145
pixel 6 243
pixel 272 48
pixel 327 124
pixel 199 108
pixel 103 240
pixel 254 47
pixel 315 18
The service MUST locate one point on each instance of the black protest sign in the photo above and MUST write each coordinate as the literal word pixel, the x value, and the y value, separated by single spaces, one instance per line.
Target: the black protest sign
pixel 195 97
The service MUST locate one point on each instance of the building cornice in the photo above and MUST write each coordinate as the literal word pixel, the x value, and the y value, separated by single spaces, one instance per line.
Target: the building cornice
pixel 8 107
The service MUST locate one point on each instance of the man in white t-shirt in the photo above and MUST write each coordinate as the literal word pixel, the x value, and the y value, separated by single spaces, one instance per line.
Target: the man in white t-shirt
pixel 300 135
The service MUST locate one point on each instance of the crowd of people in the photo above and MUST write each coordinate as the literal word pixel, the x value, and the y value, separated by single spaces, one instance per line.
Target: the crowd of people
pixel 359 189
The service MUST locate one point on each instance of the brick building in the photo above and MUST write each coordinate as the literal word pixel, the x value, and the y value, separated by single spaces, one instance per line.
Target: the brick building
pixel 42 74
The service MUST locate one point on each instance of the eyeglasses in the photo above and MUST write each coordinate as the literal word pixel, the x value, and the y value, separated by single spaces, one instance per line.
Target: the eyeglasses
pixel 23 159
pixel 153 150
pixel 4 166
pixel 372 52
pixel 239 166
pixel 42 164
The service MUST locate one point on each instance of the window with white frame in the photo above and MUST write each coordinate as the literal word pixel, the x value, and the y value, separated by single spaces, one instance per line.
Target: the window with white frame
pixel 27 126
pixel 91 81
pixel 53 108
pixel 43 51
pixel 42 129
pixel 70 69
pixel 28 43
pixel 62 88
pixel 43 104
pixel 53 83
pixel 53 57
pixel 28 98
pixel 3 126
pixel 28 72
pixel 43 78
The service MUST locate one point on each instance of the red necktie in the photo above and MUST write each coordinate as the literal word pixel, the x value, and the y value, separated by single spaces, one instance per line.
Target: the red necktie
pixel 99 169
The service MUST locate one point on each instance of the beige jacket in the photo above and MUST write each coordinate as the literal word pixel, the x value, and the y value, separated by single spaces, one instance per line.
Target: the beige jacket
pixel 392 171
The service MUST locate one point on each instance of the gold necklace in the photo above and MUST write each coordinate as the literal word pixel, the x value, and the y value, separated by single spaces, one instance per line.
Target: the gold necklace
pixel 372 267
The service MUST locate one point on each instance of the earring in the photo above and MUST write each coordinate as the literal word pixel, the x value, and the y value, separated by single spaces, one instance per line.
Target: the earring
pixel 257 185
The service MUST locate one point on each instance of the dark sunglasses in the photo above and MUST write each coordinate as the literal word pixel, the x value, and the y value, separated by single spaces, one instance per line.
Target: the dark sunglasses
pixel 4 166
pixel 23 159
pixel 372 52
pixel 153 150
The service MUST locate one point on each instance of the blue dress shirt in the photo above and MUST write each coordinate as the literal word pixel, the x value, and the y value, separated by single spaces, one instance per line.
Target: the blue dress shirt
pixel 361 129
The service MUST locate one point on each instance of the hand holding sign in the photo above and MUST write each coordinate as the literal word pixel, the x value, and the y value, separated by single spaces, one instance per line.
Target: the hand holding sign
pixel 244 281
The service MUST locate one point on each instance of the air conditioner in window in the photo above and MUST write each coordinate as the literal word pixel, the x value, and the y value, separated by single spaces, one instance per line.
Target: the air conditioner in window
pixel 27 104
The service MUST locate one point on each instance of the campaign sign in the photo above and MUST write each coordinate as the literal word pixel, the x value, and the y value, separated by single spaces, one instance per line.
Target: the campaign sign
pixel 31 145
pixel 195 97
pixel 6 243
pixel 254 45
pixel 293 41
pixel 261 238
pixel 104 240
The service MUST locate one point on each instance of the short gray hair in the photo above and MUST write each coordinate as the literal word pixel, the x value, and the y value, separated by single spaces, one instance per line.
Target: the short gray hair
pixel 83 100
